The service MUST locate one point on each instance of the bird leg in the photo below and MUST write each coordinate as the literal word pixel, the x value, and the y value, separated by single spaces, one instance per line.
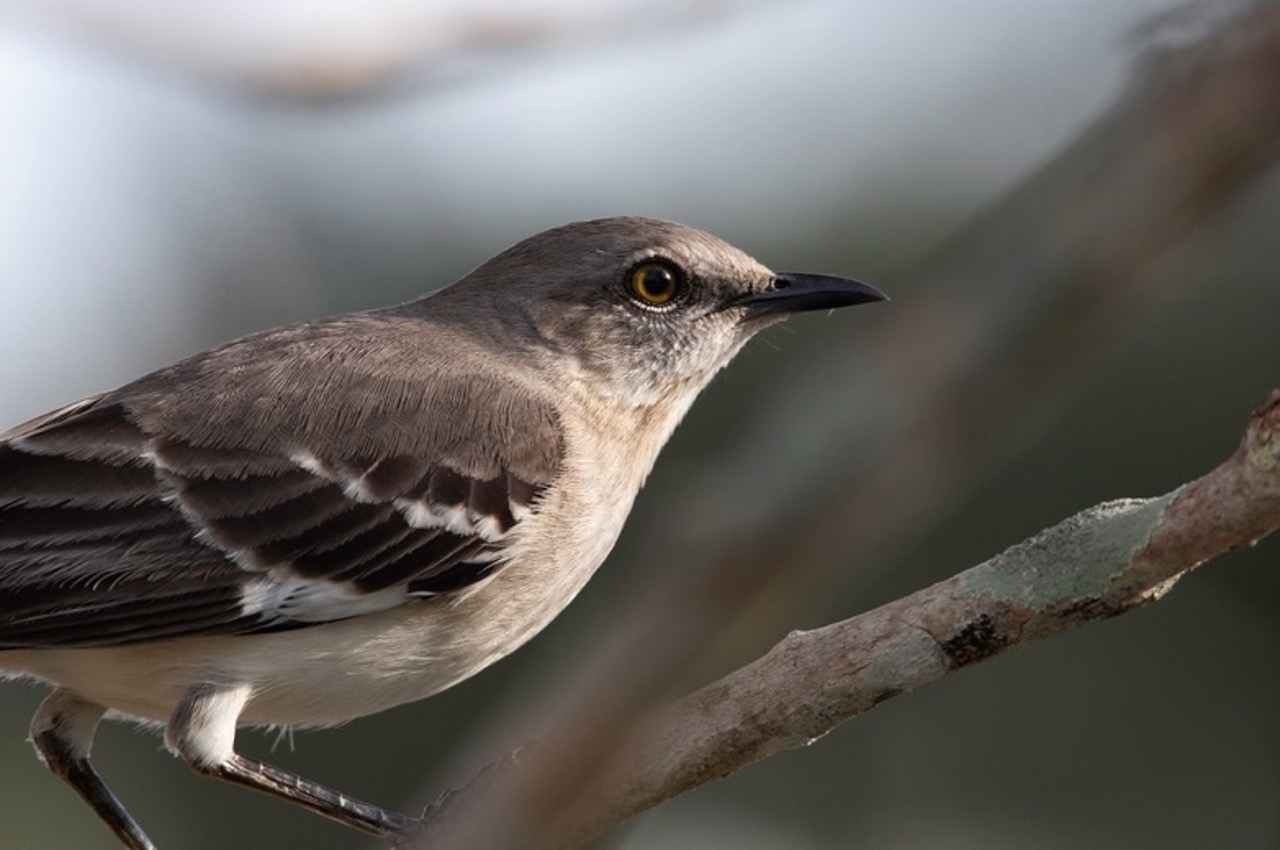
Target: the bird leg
pixel 201 731
pixel 62 732
pixel 321 799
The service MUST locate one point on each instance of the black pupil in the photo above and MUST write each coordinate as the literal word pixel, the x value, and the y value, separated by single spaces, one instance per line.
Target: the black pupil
pixel 657 281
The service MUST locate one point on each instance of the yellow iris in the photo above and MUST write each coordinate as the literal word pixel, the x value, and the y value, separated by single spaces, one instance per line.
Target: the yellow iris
pixel 654 284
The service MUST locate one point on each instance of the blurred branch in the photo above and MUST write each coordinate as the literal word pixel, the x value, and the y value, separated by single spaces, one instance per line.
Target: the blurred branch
pixel 1003 321
pixel 1105 561
pixel 1001 324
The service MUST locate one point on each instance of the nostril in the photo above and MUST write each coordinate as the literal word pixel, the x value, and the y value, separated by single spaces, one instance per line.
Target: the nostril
pixel 781 283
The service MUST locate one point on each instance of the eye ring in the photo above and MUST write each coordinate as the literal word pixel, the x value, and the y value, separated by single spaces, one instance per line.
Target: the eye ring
pixel 655 284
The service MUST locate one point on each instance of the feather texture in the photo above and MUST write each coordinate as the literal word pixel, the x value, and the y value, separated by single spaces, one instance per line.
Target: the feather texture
pixel 137 515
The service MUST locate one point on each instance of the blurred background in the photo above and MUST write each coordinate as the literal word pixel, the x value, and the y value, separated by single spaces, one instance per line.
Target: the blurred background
pixel 173 175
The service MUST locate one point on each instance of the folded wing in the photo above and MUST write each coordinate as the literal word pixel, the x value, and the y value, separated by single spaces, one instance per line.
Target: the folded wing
pixel 168 510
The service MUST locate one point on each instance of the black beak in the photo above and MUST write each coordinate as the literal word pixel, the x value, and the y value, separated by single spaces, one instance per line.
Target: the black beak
pixel 797 293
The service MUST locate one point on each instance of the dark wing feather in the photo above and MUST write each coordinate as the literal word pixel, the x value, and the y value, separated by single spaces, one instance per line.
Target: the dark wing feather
pixel 297 477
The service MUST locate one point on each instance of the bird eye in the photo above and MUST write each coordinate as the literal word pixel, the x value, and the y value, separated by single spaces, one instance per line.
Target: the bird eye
pixel 654 284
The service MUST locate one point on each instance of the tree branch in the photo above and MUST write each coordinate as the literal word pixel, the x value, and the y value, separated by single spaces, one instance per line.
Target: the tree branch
pixel 1105 561
pixel 1102 562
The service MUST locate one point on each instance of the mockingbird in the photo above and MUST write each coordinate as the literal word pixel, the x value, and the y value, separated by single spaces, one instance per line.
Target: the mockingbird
pixel 325 520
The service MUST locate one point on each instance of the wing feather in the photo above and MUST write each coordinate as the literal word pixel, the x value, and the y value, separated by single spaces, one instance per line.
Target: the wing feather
pixel 305 475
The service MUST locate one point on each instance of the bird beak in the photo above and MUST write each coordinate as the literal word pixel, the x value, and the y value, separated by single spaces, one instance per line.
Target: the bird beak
pixel 791 292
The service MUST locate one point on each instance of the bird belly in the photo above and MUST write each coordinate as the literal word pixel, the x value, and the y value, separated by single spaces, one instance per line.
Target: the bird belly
pixel 321 675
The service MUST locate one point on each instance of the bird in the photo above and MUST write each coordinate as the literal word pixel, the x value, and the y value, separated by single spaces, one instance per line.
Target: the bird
pixel 322 521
